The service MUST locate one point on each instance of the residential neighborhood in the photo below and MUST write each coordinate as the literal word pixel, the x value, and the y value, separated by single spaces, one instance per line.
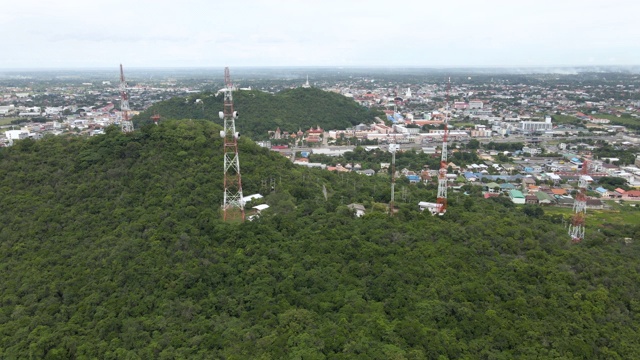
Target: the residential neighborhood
pixel 32 107
pixel 524 138
pixel 537 180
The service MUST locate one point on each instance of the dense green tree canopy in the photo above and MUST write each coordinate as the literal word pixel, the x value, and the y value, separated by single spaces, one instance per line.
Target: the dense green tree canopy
pixel 612 183
pixel 112 247
pixel 290 110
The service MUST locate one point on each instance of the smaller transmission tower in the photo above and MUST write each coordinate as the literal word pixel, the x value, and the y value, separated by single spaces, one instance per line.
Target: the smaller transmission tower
pixel 393 147
pixel 125 123
pixel 442 173
pixel 576 229
pixel 233 205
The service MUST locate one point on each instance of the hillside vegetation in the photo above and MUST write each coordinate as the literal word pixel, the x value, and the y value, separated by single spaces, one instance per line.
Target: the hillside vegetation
pixel 260 112
pixel 112 247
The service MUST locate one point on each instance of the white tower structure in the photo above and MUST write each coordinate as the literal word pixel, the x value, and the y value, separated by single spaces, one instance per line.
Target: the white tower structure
pixel 393 148
pixel 233 204
pixel 442 173
pixel 125 123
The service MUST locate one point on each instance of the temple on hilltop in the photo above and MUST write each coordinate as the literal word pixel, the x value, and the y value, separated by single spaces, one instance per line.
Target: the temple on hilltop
pixel 314 135
pixel 317 130
pixel 277 135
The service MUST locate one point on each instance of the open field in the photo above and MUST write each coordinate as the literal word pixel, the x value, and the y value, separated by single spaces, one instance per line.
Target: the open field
pixel 618 215
pixel 625 120
pixel 622 120
pixel 6 120
pixel 565 119
pixel 463 124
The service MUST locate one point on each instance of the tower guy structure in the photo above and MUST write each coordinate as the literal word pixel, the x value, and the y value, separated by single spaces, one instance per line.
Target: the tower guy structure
pixel 393 148
pixel 233 205
pixel 125 123
pixel 442 173
pixel 576 229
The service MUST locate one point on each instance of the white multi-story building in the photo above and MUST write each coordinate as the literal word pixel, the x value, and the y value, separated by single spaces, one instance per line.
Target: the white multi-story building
pixel 532 151
pixel 476 104
pixel 16 134
pixel 532 126
pixel 405 130
pixel 53 110
pixel 6 110
pixel 481 133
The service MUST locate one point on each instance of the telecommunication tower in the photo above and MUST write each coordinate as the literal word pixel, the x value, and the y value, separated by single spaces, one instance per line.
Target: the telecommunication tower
pixel 442 173
pixel 233 204
pixel 576 229
pixel 393 147
pixel 125 123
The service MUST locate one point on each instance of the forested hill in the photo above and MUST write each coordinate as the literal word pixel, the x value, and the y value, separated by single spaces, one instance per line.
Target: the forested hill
pixel 260 112
pixel 112 247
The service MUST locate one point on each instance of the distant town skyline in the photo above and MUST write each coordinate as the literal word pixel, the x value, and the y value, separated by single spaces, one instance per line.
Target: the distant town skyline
pixel 352 33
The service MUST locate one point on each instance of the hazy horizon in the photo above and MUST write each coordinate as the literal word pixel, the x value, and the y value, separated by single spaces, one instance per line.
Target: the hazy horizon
pixel 379 67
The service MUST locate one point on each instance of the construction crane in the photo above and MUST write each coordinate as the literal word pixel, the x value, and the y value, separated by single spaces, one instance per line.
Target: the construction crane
pixel 442 173
pixel 125 123
pixel 233 203
pixel 576 228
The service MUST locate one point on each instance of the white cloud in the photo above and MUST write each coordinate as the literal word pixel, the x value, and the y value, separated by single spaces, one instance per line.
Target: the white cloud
pixel 330 32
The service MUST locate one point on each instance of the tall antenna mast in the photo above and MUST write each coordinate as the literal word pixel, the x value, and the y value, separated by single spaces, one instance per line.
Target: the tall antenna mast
pixel 125 123
pixel 393 147
pixel 576 229
pixel 233 204
pixel 442 173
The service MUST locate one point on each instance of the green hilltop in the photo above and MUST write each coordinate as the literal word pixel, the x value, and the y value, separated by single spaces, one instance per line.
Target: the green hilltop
pixel 260 112
pixel 112 247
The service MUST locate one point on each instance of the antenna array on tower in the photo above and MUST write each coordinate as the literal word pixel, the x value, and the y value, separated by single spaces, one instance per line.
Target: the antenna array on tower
pixel 233 204
pixel 576 229
pixel 125 123
pixel 442 173
pixel 393 148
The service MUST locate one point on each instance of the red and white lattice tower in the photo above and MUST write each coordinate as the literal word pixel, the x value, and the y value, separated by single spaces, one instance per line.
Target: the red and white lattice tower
pixel 393 148
pixel 233 205
pixel 576 229
pixel 442 173
pixel 125 123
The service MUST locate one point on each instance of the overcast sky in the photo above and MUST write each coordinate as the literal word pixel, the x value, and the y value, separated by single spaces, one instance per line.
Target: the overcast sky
pixel 414 33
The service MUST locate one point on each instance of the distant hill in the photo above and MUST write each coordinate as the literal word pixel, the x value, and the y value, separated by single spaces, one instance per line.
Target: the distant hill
pixel 113 247
pixel 291 110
